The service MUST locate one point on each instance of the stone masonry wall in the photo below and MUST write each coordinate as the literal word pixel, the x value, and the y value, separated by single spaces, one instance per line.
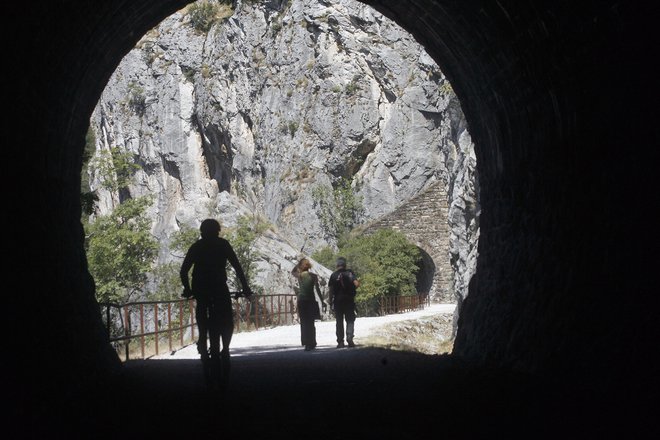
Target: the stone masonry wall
pixel 423 220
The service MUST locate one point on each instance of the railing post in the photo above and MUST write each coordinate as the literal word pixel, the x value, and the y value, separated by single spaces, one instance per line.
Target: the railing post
pixel 169 325
pixel 279 310
pixel 156 327
pixel 142 329
pixel 237 314
pixel 256 315
pixel 192 320
pixel 248 310
pixel 107 319
pixel 181 322
pixel 127 331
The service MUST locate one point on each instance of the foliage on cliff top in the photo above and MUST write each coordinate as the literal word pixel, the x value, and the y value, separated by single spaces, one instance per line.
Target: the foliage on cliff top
pixel 204 14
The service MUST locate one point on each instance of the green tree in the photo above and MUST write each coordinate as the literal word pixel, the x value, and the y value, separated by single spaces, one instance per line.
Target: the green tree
pixel 120 248
pixel 121 251
pixel 326 256
pixel 385 262
pixel 181 240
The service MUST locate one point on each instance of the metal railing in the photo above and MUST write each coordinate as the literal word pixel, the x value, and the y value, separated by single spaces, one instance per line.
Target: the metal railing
pixel 150 323
pixel 155 324
pixel 390 305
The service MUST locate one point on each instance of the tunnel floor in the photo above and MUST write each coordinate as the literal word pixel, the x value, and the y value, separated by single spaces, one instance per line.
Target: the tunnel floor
pixel 360 393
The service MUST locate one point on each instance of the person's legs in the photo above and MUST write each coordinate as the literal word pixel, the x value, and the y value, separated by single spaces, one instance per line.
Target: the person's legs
pixel 350 325
pixel 226 325
pixel 227 332
pixel 303 323
pixel 303 336
pixel 214 329
pixel 312 334
pixel 202 317
pixel 306 326
pixel 307 330
pixel 339 326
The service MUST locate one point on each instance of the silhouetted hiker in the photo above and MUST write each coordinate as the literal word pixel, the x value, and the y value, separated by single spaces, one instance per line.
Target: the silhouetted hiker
pixel 208 257
pixel 308 308
pixel 342 289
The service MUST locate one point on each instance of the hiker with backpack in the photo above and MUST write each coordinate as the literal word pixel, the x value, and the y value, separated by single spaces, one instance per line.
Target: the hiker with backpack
pixel 342 289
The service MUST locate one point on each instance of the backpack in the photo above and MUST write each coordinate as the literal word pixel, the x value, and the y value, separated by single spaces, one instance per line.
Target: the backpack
pixel 345 284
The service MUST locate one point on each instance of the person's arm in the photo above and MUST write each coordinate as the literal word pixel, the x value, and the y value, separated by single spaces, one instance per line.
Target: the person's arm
pixel 233 260
pixel 324 307
pixel 185 268
pixel 356 282
pixel 331 292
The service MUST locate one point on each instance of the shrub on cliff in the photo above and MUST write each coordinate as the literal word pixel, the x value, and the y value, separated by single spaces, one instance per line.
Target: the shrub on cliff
pixel 204 14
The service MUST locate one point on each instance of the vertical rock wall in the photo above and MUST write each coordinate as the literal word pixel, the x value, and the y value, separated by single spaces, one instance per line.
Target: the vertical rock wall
pixel 277 101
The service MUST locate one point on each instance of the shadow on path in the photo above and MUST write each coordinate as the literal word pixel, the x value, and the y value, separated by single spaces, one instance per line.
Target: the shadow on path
pixel 361 393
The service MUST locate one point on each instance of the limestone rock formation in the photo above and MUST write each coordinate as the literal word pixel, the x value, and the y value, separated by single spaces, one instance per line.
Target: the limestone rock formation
pixel 278 100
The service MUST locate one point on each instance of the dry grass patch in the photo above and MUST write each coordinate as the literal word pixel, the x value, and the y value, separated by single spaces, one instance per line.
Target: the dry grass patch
pixel 431 335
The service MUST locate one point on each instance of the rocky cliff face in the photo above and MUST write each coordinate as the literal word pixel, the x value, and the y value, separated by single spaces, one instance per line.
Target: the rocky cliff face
pixel 278 101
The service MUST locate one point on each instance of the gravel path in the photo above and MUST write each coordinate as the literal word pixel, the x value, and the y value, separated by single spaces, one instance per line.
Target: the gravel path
pixel 288 337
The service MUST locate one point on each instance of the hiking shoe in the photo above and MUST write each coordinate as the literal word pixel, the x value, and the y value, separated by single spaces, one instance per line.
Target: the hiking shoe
pixel 341 345
pixel 203 352
pixel 350 343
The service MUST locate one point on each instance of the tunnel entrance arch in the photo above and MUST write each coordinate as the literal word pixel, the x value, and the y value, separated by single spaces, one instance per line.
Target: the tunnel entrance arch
pixel 169 146
pixel 426 273
pixel 531 78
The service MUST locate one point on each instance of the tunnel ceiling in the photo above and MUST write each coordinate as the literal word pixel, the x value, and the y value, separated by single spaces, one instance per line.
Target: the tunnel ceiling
pixel 556 94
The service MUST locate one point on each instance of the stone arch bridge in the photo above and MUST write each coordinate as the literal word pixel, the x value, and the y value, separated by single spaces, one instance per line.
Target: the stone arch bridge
pixel 423 220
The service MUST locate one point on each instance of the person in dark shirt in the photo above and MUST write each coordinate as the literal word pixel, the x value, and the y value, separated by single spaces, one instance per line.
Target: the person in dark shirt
pixel 208 259
pixel 342 289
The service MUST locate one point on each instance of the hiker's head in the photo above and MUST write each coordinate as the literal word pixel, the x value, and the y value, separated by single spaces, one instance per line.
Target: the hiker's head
pixel 209 228
pixel 341 263
pixel 304 265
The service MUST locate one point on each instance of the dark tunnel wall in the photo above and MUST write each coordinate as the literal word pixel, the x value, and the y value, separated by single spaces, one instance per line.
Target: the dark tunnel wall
pixel 557 96
pixel 554 95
